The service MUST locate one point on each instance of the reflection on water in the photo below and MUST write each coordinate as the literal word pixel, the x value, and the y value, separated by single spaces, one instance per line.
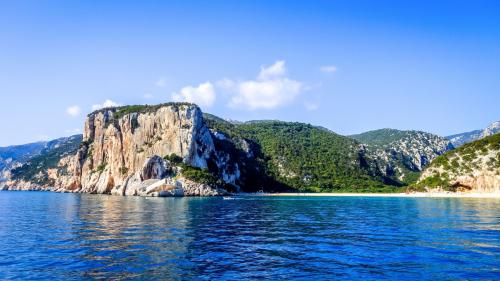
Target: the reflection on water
pixel 70 236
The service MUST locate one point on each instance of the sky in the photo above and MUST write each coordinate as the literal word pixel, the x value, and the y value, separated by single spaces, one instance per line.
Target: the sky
pixel 350 66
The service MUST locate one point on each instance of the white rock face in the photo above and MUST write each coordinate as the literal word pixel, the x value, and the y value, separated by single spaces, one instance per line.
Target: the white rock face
pixel 413 152
pixel 492 129
pixel 125 155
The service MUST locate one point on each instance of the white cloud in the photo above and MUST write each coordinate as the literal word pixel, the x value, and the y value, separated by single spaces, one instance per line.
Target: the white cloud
pixel 311 106
pixel 271 89
pixel 107 103
pixel 74 110
pixel 162 82
pixel 329 68
pixel 276 70
pixel 266 94
pixel 203 95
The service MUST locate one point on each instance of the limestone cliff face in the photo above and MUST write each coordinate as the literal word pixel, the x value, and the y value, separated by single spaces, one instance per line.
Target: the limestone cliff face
pixel 403 154
pixel 123 149
pixel 417 149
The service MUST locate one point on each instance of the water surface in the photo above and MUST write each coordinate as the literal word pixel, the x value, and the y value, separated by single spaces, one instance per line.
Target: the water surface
pixel 56 236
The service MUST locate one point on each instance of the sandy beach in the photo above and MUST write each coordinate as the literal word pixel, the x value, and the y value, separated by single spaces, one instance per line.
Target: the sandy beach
pixel 413 195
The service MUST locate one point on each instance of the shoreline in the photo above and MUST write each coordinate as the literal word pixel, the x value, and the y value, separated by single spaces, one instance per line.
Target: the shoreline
pixel 305 194
pixel 408 195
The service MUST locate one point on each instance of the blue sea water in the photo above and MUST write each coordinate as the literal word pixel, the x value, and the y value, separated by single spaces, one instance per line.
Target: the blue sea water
pixel 73 237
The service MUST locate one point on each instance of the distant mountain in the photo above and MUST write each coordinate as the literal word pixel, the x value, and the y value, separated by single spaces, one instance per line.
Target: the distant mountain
pixel 402 155
pixel 463 138
pixel 11 155
pixel 474 166
pixel 34 154
pixel 492 129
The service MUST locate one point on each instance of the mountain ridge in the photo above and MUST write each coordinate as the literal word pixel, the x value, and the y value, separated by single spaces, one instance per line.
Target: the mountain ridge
pixel 466 137
pixel 130 150
pixel 174 148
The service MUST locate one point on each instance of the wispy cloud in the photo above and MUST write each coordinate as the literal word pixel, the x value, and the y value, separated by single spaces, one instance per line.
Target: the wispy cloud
pixel 329 69
pixel 271 89
pixel 148 96
pixel 274 71
pixel 106 104
pixel 203 95
pixel 73 111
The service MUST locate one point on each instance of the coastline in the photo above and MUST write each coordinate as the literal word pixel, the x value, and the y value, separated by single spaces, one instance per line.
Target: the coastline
pixel 303 194
pixel 408 195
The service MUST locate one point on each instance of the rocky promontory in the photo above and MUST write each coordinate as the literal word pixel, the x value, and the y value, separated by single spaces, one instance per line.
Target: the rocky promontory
pixel 138 150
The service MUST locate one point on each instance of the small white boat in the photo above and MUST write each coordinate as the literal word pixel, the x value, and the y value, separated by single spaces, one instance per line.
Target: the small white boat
pixel 228 198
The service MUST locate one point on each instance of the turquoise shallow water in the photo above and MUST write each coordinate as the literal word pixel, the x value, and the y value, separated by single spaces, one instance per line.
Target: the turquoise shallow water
pixel 71 237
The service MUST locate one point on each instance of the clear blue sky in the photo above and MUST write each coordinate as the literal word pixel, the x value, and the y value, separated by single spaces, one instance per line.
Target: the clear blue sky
pixel 350 66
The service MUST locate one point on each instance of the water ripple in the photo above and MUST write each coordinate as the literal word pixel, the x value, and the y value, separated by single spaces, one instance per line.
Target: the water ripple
pixel 69 236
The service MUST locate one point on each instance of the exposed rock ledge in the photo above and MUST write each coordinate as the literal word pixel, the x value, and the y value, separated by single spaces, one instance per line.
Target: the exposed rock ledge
pixel 149 188
pixel 159 183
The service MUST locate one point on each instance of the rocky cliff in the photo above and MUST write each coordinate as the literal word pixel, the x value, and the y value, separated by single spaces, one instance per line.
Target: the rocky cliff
pixel 125 151
pixel 403 154
pixel 474 167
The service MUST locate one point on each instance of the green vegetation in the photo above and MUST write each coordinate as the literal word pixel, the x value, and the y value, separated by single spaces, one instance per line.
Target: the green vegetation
pixel 119 112
pixel 468 153
pixel 463 161
pixel 303 157
pixel 381 137
pixel 100 168
pixel 199 175
pixel 436 181
pixel 173 158
pixel 123 170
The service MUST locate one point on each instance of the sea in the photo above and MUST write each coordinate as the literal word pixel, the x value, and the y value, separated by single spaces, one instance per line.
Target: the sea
pixel 57 236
